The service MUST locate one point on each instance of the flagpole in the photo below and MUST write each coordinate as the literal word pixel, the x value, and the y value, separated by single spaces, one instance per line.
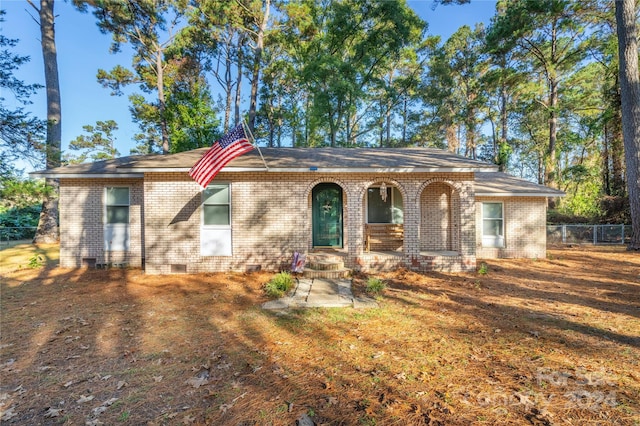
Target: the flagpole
pixel 246 127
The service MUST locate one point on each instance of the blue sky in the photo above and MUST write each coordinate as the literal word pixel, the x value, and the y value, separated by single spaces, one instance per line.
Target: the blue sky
pixel 82 50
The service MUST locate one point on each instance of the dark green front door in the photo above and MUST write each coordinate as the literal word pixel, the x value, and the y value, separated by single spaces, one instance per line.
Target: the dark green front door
pixel 327 215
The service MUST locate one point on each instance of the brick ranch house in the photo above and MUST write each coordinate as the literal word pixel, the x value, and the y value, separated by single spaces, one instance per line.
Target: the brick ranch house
pixel 420 208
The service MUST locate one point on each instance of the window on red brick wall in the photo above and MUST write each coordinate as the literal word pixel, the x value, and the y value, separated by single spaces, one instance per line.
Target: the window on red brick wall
pixel 116 218
pixel 215 232
pixel 493 224
pixel 384 206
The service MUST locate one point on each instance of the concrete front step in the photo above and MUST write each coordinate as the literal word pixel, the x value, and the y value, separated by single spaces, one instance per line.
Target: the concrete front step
pixel 326 265
pixel 326 274
pixel 324 257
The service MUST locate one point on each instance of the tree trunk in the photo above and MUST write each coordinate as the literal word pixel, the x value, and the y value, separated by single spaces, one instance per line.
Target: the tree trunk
pixel 161 102
pixel 257 64
pixel 616 146
pixel 47 231
pixel 453 143
pixel 228 84
pixel 404 121
pixel 630 97
pixel 550 178
pixel 238 82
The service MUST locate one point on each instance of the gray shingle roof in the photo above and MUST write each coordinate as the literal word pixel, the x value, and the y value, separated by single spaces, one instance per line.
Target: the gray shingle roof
pixel 290 159
pixel 502 184
pixel 332 160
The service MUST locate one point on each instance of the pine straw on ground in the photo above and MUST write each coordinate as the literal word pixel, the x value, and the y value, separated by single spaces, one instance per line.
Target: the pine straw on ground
pixel 549 341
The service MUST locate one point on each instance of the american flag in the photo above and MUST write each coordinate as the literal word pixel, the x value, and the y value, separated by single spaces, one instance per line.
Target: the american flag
pixel 230 146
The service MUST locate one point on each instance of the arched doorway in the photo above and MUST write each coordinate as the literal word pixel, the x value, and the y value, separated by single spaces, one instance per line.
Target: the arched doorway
pixel 439 218
pixel 326 206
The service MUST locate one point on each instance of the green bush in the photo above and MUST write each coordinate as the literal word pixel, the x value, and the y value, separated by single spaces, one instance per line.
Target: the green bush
pixel 484 269
pixel 18 223
pixel 36 261
pixel 375 285
pixel 279 285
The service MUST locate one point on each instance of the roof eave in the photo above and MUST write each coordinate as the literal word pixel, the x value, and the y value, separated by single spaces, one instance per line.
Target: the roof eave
pixel 321 169
pixel 86 175
pixel 520 194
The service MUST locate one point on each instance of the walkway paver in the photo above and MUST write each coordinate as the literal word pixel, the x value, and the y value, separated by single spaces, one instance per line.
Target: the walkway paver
pixel 321 293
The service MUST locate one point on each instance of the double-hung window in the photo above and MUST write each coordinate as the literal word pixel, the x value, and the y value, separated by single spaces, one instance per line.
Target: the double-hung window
pixel 215 232
pixel 384 205
pixel 116 218
pixel 492 224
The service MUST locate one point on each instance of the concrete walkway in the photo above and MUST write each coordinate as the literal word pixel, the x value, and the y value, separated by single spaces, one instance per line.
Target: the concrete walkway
pixel 321 293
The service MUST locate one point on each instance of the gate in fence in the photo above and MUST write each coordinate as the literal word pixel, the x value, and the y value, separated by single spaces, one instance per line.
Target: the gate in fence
pixel 589 234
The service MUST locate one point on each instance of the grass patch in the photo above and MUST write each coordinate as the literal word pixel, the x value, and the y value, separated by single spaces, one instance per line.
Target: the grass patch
pixel 27 255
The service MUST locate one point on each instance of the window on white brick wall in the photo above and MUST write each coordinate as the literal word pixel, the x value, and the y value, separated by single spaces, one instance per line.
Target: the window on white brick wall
pixel 493 224
pixel 116 218
pixel 215 232
pixel 384 205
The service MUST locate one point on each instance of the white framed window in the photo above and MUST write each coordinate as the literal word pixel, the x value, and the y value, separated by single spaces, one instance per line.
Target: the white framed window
pixel 493 224
pixel 215 231
pixel 116 218
pixel 384 205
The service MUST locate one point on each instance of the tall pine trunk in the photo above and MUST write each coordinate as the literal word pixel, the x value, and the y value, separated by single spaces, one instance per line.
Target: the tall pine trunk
pixel 238 99
pixel 630 99
pixel 47 231
pixel 164 128
pixel 257 64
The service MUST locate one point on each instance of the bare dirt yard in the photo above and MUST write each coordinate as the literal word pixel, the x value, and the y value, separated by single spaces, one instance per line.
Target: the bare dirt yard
pixel 532 342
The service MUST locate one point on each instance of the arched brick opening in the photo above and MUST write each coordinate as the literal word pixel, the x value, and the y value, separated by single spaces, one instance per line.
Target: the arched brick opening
pixel 439 216
pixel 381 235
pixel 345 217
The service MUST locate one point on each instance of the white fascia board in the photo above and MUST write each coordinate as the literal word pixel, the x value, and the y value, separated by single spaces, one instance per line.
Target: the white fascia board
pixel 380 170
pixel 518 194
pixel 87 175
pixel 320 170
pixel 186 169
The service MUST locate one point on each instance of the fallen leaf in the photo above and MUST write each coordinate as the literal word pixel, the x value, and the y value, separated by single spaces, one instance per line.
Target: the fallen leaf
pixel 69 383
pixel 196 382
pixel 83 399
pixel 121 384
pixel 110 401
pixel 99 410
pixel 8 414
pixel 157 379
pixel 53 412
pixel 188 420
pixel 9 363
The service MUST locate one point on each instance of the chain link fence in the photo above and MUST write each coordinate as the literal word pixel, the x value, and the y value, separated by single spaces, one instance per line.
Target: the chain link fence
pixel 16 233
pixel 588 234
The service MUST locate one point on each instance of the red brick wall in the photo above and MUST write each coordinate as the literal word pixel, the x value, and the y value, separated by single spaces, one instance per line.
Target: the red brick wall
pixel 271 218
pixel 524 228
pixel 82 212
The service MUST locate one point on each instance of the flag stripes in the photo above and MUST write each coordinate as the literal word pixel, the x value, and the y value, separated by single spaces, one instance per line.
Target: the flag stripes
pixel 230 146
